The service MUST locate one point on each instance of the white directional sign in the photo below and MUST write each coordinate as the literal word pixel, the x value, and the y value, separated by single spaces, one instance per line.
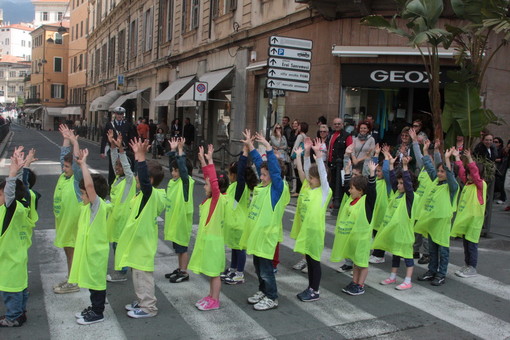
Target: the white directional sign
pixel 287 85
pixel 288 74
pixel 289 64
pixel 290 53
pixel 290 42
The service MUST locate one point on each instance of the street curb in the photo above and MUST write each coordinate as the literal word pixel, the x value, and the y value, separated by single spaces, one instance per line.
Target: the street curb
pixel 5 142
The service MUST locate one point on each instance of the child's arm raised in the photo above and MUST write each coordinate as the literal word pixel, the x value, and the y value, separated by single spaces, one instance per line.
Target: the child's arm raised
pixel 461 171
pixel 140 149
pixel 274 170
pixel 183 169
pixel 371 191
pixel 87 178
pixel 450 176
pixel 307 142
pixel 299 164
pixel 241 169
pixel 66 144
pixel 255 156
pixel 323 174
pixel 408 184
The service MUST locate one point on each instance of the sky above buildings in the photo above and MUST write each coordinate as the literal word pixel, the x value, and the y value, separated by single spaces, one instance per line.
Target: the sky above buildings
pixel 16 11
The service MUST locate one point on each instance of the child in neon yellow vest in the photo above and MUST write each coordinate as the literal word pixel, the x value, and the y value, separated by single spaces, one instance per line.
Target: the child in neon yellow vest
pixel 179 208
pixel 396 233
pixel 264 227
pixel 242 182
pixel 138 242
pixel 123 189
pixel 66 202
pixel 434 214
pixel 310 240
pixel 353 234
pixel 471 211
pixel 90 261
pixel 14 219
pixel 209 253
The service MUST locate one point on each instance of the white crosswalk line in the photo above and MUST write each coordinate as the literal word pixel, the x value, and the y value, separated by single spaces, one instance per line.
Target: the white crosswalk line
pixel 229 320
pixel 61 309
pixel 454 312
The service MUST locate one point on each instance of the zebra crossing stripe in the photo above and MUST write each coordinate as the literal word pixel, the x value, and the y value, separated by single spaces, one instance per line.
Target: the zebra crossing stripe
pixel 61 308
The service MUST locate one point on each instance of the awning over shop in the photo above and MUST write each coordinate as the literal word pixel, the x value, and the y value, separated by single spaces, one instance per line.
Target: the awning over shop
pixel 211 78
pixel 102 103
pixel 376 51
pixel 258 65
pixel 55 111
pixel 122 99
pixel 169 93
pixel 72 110
pixel 30 110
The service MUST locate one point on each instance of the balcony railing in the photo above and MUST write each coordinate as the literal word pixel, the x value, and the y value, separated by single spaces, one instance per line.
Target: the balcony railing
pixel 32 100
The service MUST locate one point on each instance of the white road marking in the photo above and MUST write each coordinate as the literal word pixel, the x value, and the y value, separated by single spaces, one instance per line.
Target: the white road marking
pixel 60 309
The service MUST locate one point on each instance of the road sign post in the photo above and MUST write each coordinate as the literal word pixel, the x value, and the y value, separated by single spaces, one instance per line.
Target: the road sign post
pixel 200 91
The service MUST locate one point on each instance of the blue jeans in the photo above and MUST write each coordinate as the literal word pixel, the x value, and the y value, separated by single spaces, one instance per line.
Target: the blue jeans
pixel 395 262
pixel 470 253
pixel 15 304
pixel 265 273
pixel 439 257
pixel 238 259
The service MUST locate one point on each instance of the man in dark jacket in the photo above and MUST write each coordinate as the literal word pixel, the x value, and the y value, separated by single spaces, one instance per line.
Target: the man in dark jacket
pixel 337 142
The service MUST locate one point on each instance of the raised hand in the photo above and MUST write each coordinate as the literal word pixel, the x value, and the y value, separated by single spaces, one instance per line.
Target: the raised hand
pixel 299 151
pixel 426 147
pixel 317 142
pixel 437 144
pixel 386 151
pixel 248 139
pixel 63 129
pixel 372 166
pixel 262 140
pixel 17 162
pixel 30 158
pixel 18 151
pixel 349 149
pixel 307 142
pixel 118 142
pixel 456 153
pixel 82 157
pixel 468 155
pixel 209 154
pixel 201 157
pixel 111 140
pixel 173 142
pixel 413 135
pixel 377 150
pixel 448 153
pixel 180 144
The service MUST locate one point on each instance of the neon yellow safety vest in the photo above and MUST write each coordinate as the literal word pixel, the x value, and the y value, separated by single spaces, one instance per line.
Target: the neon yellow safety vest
pixel 381 202
pixel 353 234
pixel 13 250
pixel 434 214
pixel 65 208
pixel 90 260
pixel 424 182
pixel 310 240
pixel 208 255
pixel 470 214
pixel 236 214
pixel 179 214
pixel 299 214
pixel 396 233
pixel 138 242
pixel 119 214
pixel 264 227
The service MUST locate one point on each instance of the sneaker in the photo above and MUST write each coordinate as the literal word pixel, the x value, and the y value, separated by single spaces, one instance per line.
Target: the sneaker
pixel 60 284
pixel 227 273
pixel 300 265
pixel 309 295
pixel 424 259
pixel 172 274
pixel 356 289
pixel 388 281
pixel 209 304
pixel 235 279
pixel 23 318
pixel 116 276
pixel 139 314
pixel 255 298
pixel 67 288
pixel 202 301
pixel 4 322
pixel 404 286
pixel 428 276
pixel 500 202
pixel 346 288
pixel 305 270
pixel 438 280
pixel 375 260
pixel 416 255
pixel 132 306
pixel 179 277
pixel 345 268
pixel 90 318
pixel 462 269
pixel 81 314
pixel 265 304
pixel 275 270
pixel 470 271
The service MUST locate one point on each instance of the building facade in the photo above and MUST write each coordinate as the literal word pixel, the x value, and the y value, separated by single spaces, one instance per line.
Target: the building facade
pixel 50 11
pixel 13 71
pixel 146 55
pixel 15 40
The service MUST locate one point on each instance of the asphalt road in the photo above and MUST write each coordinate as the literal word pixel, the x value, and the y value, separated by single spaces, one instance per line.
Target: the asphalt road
pixel 461 309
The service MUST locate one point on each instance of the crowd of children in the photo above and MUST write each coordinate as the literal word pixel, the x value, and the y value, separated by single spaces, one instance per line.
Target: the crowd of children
pixel 388 211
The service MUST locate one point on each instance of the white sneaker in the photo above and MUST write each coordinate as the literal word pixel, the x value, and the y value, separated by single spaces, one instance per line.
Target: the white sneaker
pixel 305 270
pixel 265 304
pixel 300 265
pixel 116 276
pixel 500 202
pixel 375 260
pixel 235 279
pixel 469 272
pixel 255 298
pixel 461 270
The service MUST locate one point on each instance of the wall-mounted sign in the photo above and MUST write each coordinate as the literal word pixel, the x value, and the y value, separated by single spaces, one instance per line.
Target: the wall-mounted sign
pixel 287 85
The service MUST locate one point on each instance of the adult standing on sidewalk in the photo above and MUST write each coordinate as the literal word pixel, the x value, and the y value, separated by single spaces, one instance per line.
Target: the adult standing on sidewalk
pixel 118 125
pixel 188 133
pixel 337 142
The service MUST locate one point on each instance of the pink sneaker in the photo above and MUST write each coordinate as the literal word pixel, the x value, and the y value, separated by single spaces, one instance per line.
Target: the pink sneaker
pixel 404 286
pixel 388 281
pixel 210 304
pixel 202 301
